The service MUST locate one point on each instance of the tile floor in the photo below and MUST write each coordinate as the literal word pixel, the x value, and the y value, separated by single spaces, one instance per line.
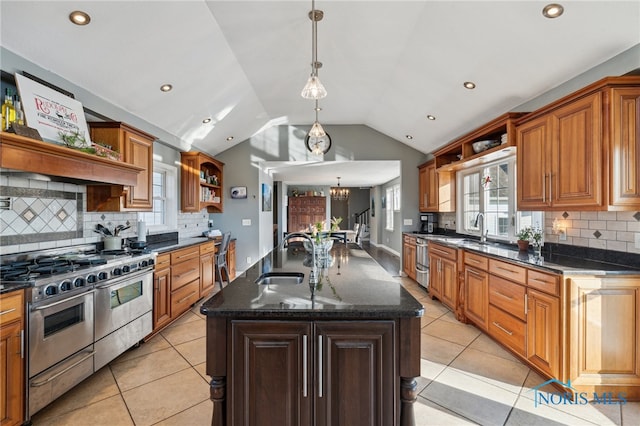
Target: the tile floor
pixel 466 379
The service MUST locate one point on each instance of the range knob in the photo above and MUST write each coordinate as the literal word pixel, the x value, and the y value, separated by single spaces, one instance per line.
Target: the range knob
pixel 79 282
pixel 117 271
pixel 92 278
pixel 151 262
pixel 103 276
pixel 65 285
pixel 126 269
pixel 144 264
pixel 51 290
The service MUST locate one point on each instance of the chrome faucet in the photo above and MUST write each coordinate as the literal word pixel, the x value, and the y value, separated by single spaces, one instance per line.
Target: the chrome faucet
pixel 483 230
pixel 313 275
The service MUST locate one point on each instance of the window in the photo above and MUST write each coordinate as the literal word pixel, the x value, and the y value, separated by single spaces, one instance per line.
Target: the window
pixel 491 190
pixel 396 198
pixel 165 207
pixel 388 209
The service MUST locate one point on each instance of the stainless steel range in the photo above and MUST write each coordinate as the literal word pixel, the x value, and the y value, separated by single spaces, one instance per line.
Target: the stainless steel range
pixel 84 309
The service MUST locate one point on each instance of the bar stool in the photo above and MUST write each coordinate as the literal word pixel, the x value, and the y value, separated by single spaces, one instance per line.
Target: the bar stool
pixel 221 258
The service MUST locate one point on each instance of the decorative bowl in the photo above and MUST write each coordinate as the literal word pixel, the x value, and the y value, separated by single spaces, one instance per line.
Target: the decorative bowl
pixel 480 146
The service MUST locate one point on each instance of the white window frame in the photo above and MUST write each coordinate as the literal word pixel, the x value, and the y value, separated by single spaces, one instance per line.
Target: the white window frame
pixel 516 218
pixel 170 198
pixel 388 208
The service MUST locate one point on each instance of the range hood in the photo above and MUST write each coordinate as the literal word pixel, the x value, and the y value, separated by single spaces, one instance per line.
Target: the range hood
pixel 19 153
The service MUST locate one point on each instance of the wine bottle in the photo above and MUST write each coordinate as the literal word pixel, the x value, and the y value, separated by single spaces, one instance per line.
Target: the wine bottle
pixel 8 110
pixel 19 113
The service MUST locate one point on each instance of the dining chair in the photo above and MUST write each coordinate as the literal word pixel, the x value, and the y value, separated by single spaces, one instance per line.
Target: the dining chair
pixel 221 258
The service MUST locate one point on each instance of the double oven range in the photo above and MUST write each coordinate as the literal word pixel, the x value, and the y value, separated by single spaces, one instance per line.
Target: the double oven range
pixel 83 310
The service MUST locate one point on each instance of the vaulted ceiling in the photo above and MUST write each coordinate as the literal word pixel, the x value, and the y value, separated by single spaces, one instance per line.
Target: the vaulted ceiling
pixel 387 64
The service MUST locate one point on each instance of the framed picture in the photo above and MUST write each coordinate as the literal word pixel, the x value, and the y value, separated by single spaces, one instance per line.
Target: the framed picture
pixel 50 112
pixel 266 197
pixel 238 192
pixel 373 207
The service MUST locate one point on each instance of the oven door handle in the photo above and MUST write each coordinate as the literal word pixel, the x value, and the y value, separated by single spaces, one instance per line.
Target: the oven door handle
pixel 39 308
pixel 421 271
pixel 425 245
pixel 123 278
pixel 60 373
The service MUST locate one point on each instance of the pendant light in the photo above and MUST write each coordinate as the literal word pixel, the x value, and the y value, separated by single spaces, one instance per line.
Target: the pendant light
pixel 317 140
pixel 338 193
pixel 314 88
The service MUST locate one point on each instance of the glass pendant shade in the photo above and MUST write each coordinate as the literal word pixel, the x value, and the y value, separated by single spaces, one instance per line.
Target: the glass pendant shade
pixel 313 89
pixel 316 130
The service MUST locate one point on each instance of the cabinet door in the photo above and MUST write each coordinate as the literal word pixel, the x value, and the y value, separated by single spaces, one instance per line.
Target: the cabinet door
pixel 543 331
pixel 533 142
pixel 576 173
pixel 355 373
pixel 139 152
pixel 624 151
pixel 435 280
pixel 207 269
pixel 11 374
pixel 432 188
pixel 190 184
pixel 231 260
pixel 476 296
pixel 161 298
pixel 423 188
pixel 449 278
pixel 270 374
pixel 409 260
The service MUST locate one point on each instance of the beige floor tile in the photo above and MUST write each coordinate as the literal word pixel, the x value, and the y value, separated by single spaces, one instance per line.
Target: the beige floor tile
pixel 438 350
pixel 486 344
pixel 450 317
pixel 144 369
pixel 102 385
pixel 187 317
pixel 194 351
pixel 525 412
pixel 156 343
pixel 459 333
pixel 429 414
pixel 202 370
pixel 470 398
pixel 631 413
pixel 533 381
pixel 199 415
pixel 426 320
pixel 165 397
pixel 108 412
pixel 185 332
pixel 509 375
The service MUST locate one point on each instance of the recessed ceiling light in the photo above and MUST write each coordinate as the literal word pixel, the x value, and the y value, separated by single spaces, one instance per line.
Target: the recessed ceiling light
pixel 552 10
pixel 166 87
pixel 408 136
pixel 229 138
pixel 469 85
pixel 206 120
pixel 79 18
pixel 431 117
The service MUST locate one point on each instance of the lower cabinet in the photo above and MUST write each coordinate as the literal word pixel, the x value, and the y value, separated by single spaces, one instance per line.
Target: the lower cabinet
pixel 207 268
pixel 231 259
pixel 476 296
pixel 12 367
pixel 162 292
pixel 543 328
pixel 443 274
pixel 312 373
pixel 409 256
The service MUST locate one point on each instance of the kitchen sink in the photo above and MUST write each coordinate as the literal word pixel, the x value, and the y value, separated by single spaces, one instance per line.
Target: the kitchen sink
pixel 280 278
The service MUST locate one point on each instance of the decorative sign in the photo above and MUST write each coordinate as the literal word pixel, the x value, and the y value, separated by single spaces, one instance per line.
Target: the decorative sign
pixel 238 192
pixel 50 112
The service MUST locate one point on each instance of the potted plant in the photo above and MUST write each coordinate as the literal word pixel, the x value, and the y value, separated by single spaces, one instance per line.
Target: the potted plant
pixel 524 235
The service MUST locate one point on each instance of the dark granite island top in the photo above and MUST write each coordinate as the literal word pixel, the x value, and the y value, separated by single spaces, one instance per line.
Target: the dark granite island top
pixel 349 355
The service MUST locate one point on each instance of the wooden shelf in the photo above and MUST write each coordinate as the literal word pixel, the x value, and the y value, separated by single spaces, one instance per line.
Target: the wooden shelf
pixel 30 155
pixel 192 186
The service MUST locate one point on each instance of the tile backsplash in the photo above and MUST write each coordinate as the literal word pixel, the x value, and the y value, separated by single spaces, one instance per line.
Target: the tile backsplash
pixel 602 230
pixel 37 214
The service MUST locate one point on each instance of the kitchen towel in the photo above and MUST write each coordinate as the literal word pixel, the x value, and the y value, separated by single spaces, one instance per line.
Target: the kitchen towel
pixel 142 231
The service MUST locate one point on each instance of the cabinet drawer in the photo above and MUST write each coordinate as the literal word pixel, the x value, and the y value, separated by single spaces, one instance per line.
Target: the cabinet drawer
pixel 163 261
pixel 208 247
pixel 184 297
pixel 544 282
pixel 507 329
pixel 476 260
pixel 409 240
pixel 181 255
pixel 508 271
pixel 507 296
pixel 443 251
pixel 185 272
pixel 11 307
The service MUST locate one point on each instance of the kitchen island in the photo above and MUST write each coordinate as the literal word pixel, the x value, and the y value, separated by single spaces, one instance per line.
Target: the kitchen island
pixel 348 355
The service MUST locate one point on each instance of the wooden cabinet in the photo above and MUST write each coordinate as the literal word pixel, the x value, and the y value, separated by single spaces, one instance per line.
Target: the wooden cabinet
pixel 624 149
pixel 443 274
pixel 162 291
pixel 476 289
pixel 136 148
pixel 604 335
pixel 437 189
pixel 409 256
pixel 207 268
pixel 543 332
pixel 201 183
pixel 305 211
pixel 320 373
pixel 185 279
pixel 231 260
pixel 12 363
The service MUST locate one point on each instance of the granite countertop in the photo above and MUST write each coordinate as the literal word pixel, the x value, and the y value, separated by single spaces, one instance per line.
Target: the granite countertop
pixel 182 243
pixel 353 286
pixel 7 288
pixel 556 263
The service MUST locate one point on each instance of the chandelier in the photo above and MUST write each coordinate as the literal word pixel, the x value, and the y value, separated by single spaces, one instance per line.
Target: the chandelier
pixel 338 193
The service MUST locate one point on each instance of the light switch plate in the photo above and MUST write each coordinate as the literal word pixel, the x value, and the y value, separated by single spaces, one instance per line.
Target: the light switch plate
pixel 408 222
pixel 246 222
